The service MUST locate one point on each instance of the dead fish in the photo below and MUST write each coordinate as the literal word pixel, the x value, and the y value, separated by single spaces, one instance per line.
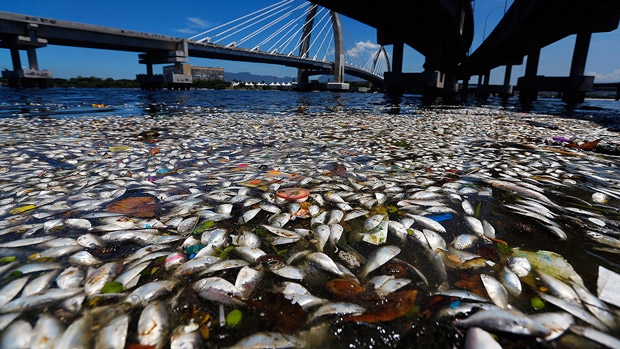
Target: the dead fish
pixel 46 331
pixel 10 290
pixel 508 186
pixel 427 223
pixel 95 281
pixel 559 288
pixel 519 265
pixel 378 258
pixel 596 306
pixel 269 340
pixel 186 337
pixel 504 321
pixel 475 225
pixel 464 241
pixel 511 281
pixel 114 334
pixel 219 290
pixel 496 291
pixel 154 324
pixel 596 336
pixel 479 338
pixel 17 335
pixel 336 308
pixel 51 296
pixel 574 310
pixel 150 291
pixel 556 322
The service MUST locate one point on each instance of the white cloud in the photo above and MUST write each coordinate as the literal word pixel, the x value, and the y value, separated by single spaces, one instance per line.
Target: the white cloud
pixel 194 26
pixel 186 31
pixel 362 48
pixel 606 77
pixel 198 23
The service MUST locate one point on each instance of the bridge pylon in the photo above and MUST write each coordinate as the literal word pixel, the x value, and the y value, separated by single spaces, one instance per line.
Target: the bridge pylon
pixel 338 83
pixel 430 82
pixel 573 88
pixel 174 78
pixel 32 76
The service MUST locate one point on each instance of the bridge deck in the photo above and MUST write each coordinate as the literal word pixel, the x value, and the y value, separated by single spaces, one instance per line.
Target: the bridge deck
pixel 424 25
pixel 534 24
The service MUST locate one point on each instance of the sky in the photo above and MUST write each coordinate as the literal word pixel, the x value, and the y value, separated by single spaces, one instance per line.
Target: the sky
pixel 185 18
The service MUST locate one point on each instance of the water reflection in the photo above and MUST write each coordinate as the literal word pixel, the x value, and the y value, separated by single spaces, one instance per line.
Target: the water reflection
pixel 65 102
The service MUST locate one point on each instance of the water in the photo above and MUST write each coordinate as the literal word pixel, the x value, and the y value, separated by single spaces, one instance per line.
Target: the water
pixel 61 102
pixel 122 103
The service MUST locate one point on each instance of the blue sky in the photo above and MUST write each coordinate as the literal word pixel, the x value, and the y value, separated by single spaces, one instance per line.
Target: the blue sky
pixel 184 18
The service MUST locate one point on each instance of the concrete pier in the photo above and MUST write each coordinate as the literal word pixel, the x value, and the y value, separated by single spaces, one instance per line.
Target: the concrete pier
pixel 32 76
pixel 174 78
pixel 573 88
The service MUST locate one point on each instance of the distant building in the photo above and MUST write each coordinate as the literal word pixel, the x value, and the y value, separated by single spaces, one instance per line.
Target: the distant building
pixel 197 73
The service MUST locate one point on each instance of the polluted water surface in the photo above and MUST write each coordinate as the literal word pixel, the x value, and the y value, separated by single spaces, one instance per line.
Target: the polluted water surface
pixel 457 227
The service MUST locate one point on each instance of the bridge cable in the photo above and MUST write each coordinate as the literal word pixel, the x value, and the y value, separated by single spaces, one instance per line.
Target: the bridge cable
pixel 255 21
pixel 308 35
pixel 318 35
pixel 324 23
pixel 283 27
pixel 279 4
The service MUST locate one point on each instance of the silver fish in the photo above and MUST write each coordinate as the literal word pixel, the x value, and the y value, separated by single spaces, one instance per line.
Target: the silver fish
pixel 40 284
pixel 425 222
pixel 114 334
pixel 505 321
pixel 51 296
pixel 150 291
pixel 17 335
pixel 186 337
pixel 574 310
pixel 219 290
pixel 511 281
pixel 339 308
pixel 269 340
pixel 479 338
pixel 378 258
pixel 496 291
pixel 154 324
pixel 559 288
pixel 556 322
pixel 596 306
pixel 95 281
pixel 47 329
pixel 597 336
pixel 10 290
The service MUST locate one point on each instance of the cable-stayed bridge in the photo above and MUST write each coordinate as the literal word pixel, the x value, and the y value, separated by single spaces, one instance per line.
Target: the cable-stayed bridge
pixel 292 33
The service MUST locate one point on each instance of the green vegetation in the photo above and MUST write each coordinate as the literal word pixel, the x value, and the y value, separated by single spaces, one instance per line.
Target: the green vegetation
pixel 92 81
pixel 214 84
pixel 95 82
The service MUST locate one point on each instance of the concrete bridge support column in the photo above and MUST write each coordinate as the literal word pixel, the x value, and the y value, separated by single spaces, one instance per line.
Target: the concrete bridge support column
pixel 507 92
pixel 394 83
pixel 528 89
pixel 17 65
pixel 33 76
pixel 578 83
pixel 433 79
pixel 175 77
pixel 482 88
